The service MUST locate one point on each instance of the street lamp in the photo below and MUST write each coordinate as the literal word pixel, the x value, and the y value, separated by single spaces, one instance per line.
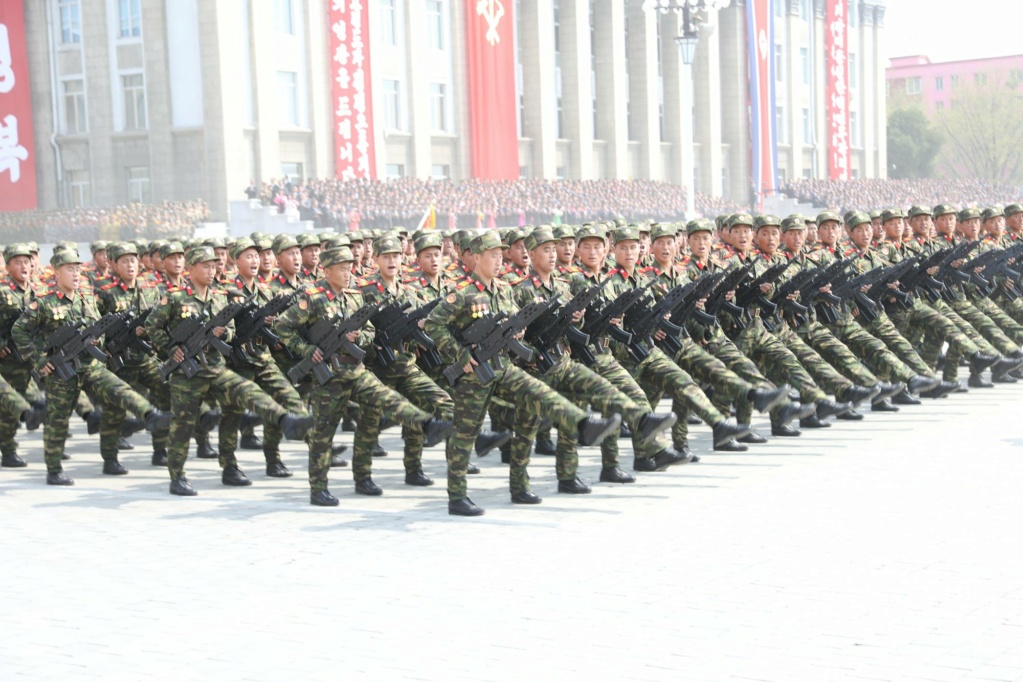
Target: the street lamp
pixel 693 14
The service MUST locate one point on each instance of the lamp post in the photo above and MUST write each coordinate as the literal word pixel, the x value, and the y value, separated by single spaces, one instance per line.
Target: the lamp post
pixel 693 15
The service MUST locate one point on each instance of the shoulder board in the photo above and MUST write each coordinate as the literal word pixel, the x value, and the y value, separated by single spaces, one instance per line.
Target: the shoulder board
pixel 107 287
pixel 48 293
pixel 352 291
pixel 517 282
pixel 849 252
pixel 312 291
pixel 463 283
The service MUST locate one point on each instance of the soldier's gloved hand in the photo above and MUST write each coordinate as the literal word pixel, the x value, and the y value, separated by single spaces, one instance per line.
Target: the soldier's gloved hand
pixel 178 356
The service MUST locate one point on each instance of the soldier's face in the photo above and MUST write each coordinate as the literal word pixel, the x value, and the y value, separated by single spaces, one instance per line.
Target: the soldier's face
pixel 922 225
pixel 627 253
pixel 741 236
pixel 768 238
pixel 893 228
pixel 174 264
pixel 127 267
pixel 68 276
pixel 290 260
pixel 448 248
pixel 488 263
pixel 101 260
pixel 204 273
pixel 221 255
pixel 389 264
pixel 358 250
pixel 429 260
pixel 544 257
pixel 828 233
pixel 861 235
pixel 877 229
pixel 157 262
pixel 267 261
pixel 339 275
pixel 592 252
pixel 247 263
pixel 311 256
pixel 995 226
pixel 20 268
pixel 945 223
pixel 146 262
pixel 1014 222
pixel 811 233
pixel 644 243
pixel 970 228
pixel 566 250
pixel 518 255
pixel 663 249
pixel 469 260
pixel 699 245
pixel 794 239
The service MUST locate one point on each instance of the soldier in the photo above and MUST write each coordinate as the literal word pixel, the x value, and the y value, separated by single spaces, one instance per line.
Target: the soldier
pixel 310 250
pixel 214 380
pixel 255 364
pixel 98 271
pixel 64 305
pixel 122 295
pixel 333 299
pixel 478 296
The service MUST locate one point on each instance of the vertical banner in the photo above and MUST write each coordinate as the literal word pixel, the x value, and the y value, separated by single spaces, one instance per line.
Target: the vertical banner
pixel 837 47
pixel 760 25
pixel 490 50
pixel 17 150
pixel 354 154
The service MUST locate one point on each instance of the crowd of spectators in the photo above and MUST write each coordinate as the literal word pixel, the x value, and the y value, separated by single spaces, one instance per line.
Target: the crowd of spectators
pixel 382 204
pixel 149 221
pixel 866 195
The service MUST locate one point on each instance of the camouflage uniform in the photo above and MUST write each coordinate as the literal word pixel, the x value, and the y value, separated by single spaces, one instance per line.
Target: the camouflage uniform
pixel 213 383
pixel 44 315
pixel 13 301
pixel 351 381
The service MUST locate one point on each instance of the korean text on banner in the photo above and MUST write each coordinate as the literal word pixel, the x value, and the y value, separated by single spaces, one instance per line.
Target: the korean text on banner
pixel 17 148
pixel 354 153
pixel 836 44
pixel 760 25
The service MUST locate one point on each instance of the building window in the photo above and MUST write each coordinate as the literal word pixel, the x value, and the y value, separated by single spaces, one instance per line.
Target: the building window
pixel 392 105
pixel 854 129
pixel 75 118
pixel 287 98
pixel 854 74
pixel 939 83
pixel 807 174
pixel 441 171
pixel 395 170
pixel 804 10
pixel 913 85
pixel 854 13
pixel 291 170
pixel 435 23
pixel 81 192
pixel 953 81
pixel 804 64
pixel 807 127
pixel 779 125
pixel 388 22
pixel 134 88
pixel 438 106
pixel 131 18
pixel 980 78
pixel 284 17
pixel 138 184
pixel 779 61
pixel 779 10
pixel 70 22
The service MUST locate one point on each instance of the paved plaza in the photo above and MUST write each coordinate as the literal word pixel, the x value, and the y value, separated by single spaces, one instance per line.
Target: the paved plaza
pixel 882 550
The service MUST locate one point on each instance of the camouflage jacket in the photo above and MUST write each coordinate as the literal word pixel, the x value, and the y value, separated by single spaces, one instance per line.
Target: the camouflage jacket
pixel 258 352
pixel 180 304
pixel 45 314
pixel 320 301
pixel 374 290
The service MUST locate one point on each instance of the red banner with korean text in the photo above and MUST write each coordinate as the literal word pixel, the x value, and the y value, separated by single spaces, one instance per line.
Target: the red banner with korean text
pixel 490 49
pixel 354 153
pixel 17 150
pixel 836 45
pixel 763 136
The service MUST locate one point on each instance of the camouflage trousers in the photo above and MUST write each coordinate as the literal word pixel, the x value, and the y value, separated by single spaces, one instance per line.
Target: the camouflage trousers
pixel 932 345
pixel 329 403
pixel 19 378
pixel 215 384
pixel 1001 330
pixel 144 378
pixel 269 378
pixel 826 376
pixel 530 396
pixel 421 391
pixel 61 397
pixel 837 354
pixel 883 329
pixel 933 326
pixel 775 360
pixel 581 385
pixel 1014 309
pixel 721 347
pixel 870 349
pixel 660 376
pixel 728 387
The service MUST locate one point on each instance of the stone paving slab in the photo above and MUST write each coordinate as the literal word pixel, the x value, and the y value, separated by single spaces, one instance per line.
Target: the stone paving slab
pixel 879 550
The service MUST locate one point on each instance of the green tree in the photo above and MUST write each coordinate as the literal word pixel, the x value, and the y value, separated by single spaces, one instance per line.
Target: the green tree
pixel 983 130
pixel 913 144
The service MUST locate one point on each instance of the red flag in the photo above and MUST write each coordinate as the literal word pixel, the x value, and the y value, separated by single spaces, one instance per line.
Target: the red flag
pixel 17 148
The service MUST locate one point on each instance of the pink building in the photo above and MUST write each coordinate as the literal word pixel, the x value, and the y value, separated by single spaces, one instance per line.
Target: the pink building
pixel 932 85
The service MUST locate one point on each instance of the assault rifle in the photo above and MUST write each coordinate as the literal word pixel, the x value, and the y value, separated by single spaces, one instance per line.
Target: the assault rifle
pixel 851 288
pixel 5 336
pixel 880 290
pixel 490 335
pixel 748 293
pixel 395 324
pixel 194 338
pixel 66 345
pixel 807 285
pixel 250 324
pixel 598 323
pixel 123 336
pixel 717 301
pixel 995 263
pixel 547 330
pixel 331 337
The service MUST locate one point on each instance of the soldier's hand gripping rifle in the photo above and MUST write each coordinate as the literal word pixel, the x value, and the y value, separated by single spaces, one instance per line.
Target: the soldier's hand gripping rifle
pixel 123 336
pixel 250 324
pixel 194 338
pixel 491 335
pixel 396 324
pixel 331 337
pixel 545 333
pixel 599 322
pixel 66 345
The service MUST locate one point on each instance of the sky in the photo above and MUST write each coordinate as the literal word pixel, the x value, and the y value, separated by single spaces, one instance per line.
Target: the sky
pixel 951 31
